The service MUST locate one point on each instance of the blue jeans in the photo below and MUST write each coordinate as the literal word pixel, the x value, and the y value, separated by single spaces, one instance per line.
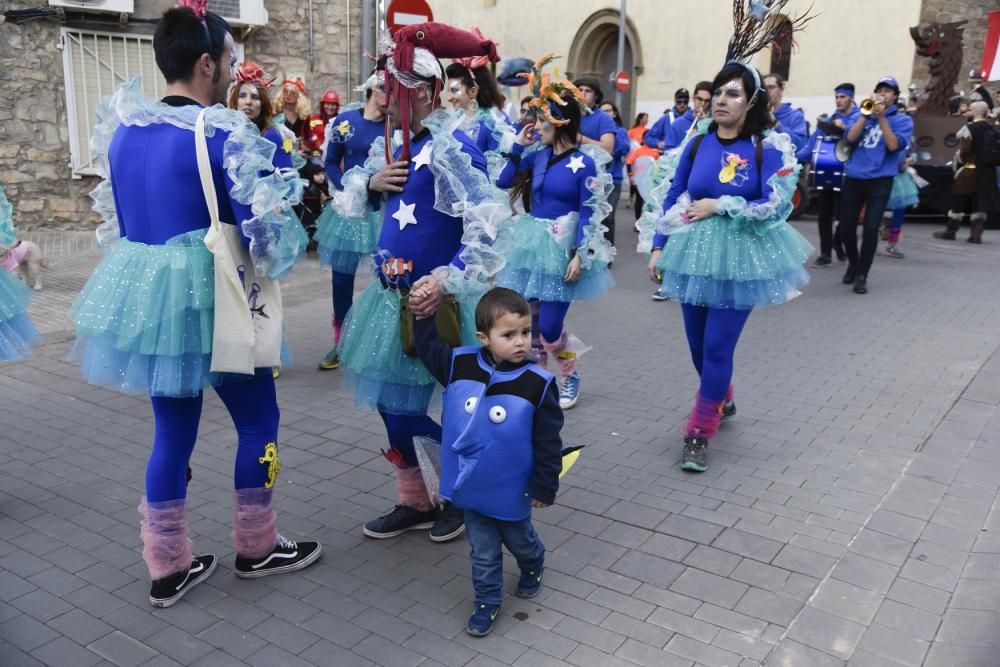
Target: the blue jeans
pixel 487 536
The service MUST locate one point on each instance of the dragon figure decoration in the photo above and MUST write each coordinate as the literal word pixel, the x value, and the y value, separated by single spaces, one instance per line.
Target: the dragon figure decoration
pixel 942 43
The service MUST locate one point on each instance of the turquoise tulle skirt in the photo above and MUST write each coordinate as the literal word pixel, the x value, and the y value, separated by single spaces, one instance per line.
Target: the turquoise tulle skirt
pixel 718 265
pixel 904 192
pixel 17 333
pixel 371 355
pixel 537 263
pixel 144 319
pixel 342 242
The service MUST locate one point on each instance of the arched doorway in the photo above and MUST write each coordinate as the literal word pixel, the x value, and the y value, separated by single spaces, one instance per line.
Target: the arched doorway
pixel 595 51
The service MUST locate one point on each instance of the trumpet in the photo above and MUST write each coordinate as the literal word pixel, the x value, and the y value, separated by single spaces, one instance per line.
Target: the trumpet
pixel 867 106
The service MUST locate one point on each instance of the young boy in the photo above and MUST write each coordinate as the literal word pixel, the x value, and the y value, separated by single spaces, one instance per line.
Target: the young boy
pixel 500 450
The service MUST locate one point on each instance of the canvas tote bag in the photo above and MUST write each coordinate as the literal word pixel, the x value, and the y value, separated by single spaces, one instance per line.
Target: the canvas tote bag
pixel 248 313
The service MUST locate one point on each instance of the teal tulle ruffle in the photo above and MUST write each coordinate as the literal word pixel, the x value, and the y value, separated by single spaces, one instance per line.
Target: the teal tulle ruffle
pixel 343 242
pixel 17 333
pixel 371 355
pixel 537 263
pixel 904 192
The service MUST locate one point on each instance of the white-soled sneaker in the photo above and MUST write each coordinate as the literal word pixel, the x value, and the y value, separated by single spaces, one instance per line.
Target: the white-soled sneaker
pixel 288 556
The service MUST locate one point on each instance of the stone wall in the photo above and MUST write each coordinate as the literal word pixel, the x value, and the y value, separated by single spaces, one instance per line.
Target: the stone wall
pixel 34 136
pixel 974 37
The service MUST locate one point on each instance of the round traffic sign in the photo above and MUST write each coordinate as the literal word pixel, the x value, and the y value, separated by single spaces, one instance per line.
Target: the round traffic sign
pixel 407 12
pixel 623 80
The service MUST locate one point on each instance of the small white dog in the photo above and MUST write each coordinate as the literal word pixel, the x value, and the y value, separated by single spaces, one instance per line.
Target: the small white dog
pixel 25 260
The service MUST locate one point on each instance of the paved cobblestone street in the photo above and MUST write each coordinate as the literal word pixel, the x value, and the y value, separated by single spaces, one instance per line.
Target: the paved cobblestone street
pixel 849 516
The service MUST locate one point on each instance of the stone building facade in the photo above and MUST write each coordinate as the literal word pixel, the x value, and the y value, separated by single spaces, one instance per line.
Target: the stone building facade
pixel 35 156
pixel 974 35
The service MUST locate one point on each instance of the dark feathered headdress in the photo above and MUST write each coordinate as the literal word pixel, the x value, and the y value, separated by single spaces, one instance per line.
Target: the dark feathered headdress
pixel 758 24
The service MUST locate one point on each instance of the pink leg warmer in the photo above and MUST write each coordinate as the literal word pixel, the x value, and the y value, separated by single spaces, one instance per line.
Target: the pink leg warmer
pixel 705 417
pixel 729 395
pixel 894 234
pixel 166 547
pixel 412 490
pixel 255 531
pixel 336 333
pixel 566 359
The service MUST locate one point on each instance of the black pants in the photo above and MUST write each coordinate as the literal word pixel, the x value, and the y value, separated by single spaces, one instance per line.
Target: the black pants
pixel 873 194
pixel 614 199
pixel 826 203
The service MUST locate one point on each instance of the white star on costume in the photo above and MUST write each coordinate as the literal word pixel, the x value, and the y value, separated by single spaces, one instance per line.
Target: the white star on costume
pixel 576 163
pixel 423 158
pixel 405 214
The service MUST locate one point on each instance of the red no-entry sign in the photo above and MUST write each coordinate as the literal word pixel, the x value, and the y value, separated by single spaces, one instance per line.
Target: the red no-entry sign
pixel 407 12
pixel 623 81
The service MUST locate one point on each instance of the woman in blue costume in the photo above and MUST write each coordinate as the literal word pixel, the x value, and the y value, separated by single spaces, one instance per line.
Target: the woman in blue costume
pixel 905 193
pixel 730 247
pixel 17 333
pixel 440 235
pixel 471 88
pixel 348 228
pixel 144 320
pixel 250 97
pixel 560 254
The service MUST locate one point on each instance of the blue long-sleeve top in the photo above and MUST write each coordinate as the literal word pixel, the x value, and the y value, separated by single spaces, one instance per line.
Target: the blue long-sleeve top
pixel 558 183
pixel 871 158
pixel 657 134
pixel 412 228
pixel 793 123
pixel 678 129
pixel 804 154
pixel 596 124
pixel 282 153
pixel 623 146
pixel 546 420
pixel 155 181
pixel 700 179
pixel 349 144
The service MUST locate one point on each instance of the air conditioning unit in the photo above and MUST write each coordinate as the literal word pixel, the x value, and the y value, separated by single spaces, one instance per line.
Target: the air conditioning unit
pixel 240 12
pixel 113 6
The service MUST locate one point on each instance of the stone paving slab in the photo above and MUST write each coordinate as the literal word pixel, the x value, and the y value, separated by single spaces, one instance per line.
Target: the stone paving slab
pixel 847 518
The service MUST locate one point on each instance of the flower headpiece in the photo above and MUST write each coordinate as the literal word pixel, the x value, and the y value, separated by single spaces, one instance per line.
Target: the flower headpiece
pixel 199 7
pixel 548 94
pixel 758 24
pixel 252 73
pixel 297 82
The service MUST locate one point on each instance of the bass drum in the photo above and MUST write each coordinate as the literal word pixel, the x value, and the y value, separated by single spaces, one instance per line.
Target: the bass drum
pixel 827 170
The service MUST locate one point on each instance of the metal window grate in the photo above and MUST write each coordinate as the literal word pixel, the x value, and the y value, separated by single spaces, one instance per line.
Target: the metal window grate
pixel 94 64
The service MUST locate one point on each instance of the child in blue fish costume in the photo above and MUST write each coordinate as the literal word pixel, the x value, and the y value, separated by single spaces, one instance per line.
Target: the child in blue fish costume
pixel 500 451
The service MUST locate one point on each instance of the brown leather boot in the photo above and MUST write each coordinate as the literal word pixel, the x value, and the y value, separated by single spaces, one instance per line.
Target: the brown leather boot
pixel 976 230
pixel 954 221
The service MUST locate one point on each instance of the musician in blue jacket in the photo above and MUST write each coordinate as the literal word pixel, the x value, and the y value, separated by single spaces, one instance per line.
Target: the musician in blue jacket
pixel 844 115
pixel 700 108
pixel 347 229
pixel 500 450
pixel 789 121
pixel 656 136
pixel 878 138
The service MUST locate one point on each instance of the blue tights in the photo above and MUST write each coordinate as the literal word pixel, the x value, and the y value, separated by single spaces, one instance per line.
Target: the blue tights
pixel 401 430
pixel 548 318
pixel 253 406
pixel 712 335
pixel 343 295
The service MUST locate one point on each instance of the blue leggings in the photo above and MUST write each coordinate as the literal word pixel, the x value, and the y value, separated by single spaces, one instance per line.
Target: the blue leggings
pixel 548 318
pixel 253 406
pixel 343 295
pixel 401 430
pixel 712 335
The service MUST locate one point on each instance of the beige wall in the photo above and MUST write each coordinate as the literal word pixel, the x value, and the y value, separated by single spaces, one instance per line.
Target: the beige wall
pixel 684 42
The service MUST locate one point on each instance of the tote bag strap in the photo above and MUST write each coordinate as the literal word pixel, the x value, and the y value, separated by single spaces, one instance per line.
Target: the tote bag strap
pixel 205 171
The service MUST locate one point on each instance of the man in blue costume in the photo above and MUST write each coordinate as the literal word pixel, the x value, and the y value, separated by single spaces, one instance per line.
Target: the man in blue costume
pixel 844 115
pixel 145 319
pixel 879 139
pixel 441 219
pixel 656 136
pixel 789 120
pixel 343 239
pixel 701 106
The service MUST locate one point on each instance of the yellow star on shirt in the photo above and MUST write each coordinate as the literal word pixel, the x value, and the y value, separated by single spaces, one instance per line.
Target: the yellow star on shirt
pixel 344 127
pixel 576 163
pixel 405 214
pixel 287 145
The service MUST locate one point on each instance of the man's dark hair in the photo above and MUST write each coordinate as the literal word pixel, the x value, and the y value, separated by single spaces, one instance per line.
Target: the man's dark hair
pixel 758 116
pixel 181 38
pixel 778 79
pixel 703 85
pixel 495 304
pixel 526 99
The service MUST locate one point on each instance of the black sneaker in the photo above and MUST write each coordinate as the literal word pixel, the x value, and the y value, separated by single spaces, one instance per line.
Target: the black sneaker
pixel 449 524
pixel 861 284
pixel 695 456
pixel 728 411
pixel 823 260
pixel 841 255
pixel 167 591
pixel 530 583
pixel 850 274
pixel 398 521
pixel 288 556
